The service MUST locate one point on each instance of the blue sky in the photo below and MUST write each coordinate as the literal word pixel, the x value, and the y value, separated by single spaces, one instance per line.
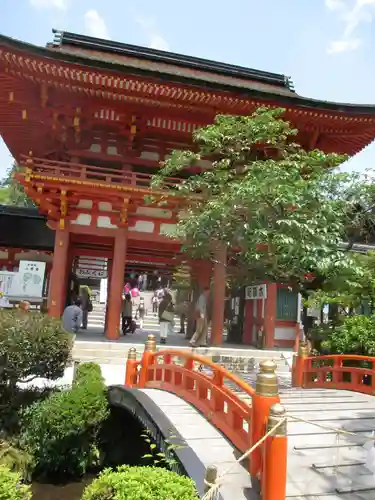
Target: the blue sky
pixel 326 46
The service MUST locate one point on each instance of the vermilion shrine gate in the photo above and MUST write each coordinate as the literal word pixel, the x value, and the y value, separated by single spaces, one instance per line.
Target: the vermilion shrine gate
pixel 89 120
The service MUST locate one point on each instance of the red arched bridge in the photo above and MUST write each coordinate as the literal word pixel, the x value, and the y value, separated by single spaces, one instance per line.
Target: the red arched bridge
pixel 309 441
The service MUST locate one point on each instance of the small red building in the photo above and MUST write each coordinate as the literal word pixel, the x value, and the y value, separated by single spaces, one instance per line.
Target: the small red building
pixel 89 120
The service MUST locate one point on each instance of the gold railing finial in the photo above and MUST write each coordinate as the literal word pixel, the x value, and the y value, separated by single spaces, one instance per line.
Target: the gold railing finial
pixel 150 345
pixel 303 350
pixel 267 382
pixel 277 413
pixel 132 353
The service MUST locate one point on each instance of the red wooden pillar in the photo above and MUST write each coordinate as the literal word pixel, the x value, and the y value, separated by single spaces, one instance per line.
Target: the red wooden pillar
pixel 203 270
pixel 116 285
pixel 218 305
pixel 270 316
pixel 57 289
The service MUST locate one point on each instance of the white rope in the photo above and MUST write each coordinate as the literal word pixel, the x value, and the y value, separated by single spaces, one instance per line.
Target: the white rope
pixel 212 493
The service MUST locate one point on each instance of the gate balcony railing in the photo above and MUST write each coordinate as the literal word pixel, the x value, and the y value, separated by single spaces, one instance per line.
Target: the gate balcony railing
pixel 37 169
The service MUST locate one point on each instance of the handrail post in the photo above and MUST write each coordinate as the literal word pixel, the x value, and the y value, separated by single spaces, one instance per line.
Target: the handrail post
pixel 275 456
pixel 299 366
pixel 131 368
pixel 266 395
pixel 148 354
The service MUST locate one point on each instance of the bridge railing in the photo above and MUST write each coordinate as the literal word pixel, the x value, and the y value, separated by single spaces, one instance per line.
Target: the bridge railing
pixel 243 420
pixel 336 371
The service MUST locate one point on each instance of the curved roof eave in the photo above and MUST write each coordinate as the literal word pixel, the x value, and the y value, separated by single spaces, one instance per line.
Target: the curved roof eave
pixel 96 63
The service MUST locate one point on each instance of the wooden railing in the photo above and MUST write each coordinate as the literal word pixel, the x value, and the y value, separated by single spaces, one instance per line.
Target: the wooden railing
pixel 65 171
pixel 202 383
pixel 337 371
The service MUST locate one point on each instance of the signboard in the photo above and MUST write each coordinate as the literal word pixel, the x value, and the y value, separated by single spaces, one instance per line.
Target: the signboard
pixel 91 267
pixel 256 292
pixel 6 279
pixel 28 282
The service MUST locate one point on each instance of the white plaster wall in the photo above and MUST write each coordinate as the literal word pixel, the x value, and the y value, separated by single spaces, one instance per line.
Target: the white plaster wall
pixel 167 228
pixel 285 333
pixel 82 220
pixel 142 226
pixel 84 204
pixel 105 206
pixel 154 212
pixel 105 221
pixel 150 155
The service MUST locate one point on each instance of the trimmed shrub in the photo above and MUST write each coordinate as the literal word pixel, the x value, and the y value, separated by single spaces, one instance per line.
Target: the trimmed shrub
pixel 140 483
pixel 88 372
pixel 16 460
pixel 31 345
pixel 62 431
pixel 11 487
pixel 355 335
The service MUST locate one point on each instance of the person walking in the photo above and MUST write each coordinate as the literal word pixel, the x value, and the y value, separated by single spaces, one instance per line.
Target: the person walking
pixel 72 317
pixel 141 311
pixel 165 316
pixel 127 313
pixel 86 305
pixel 155 303
pixel 199 338
pixel 182 311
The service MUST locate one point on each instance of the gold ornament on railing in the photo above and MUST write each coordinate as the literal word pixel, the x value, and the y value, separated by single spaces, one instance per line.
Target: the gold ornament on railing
pixel 132 353
pixel 150 345
pixel 277 414
pixel 267 382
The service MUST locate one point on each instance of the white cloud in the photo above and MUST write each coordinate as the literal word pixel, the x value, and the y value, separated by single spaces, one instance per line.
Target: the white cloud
pixel 159 43
pixel 352 13
pixel 49 4
pixel 334 4
pixel 156 40
pixel 343 46
pixel 95 25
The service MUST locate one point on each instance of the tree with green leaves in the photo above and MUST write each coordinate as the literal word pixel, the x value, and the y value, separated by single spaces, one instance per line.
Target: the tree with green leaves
pixel 12 192
pixel 4 195
pixel 280 211
pixel 350 286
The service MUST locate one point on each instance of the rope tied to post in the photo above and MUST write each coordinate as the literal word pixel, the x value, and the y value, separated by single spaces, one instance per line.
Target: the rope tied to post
pixel 212 493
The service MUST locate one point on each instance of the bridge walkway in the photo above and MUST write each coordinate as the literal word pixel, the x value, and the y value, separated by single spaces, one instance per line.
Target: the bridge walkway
pixel 207 443
pixel 323 465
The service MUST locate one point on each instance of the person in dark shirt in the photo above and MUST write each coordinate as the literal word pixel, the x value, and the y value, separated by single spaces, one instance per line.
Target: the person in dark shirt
pixel 165 316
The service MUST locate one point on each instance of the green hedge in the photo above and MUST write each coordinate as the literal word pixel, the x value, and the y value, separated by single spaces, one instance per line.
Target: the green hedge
pixel 31 345
pixel 11 487
pixel 62 431
pixel 140 483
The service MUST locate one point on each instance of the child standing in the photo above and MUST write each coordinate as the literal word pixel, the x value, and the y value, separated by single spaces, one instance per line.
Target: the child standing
pixel 141 311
